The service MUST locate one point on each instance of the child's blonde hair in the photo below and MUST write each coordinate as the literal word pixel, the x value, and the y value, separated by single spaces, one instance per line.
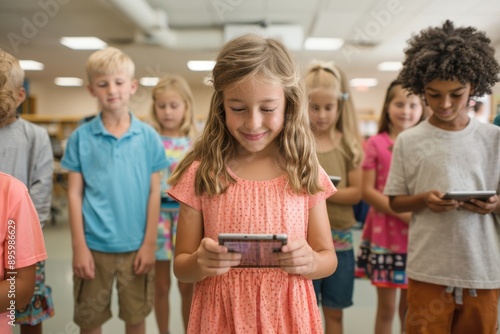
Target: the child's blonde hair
pixel 327 76
pixel 11 81
pixel 246 57
pixel 180 86
pixel 109 60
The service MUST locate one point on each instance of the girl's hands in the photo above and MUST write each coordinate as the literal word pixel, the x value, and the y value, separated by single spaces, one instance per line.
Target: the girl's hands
pixel 297 257
pixel 215 259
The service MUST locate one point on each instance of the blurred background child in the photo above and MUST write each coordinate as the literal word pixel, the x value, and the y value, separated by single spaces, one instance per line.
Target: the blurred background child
pixel 26 154
pixel 385 235
pixel 173 116
pixel 334 123
pixel 114 162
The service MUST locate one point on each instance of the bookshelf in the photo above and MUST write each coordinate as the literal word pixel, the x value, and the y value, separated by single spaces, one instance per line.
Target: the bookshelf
pixel 59 127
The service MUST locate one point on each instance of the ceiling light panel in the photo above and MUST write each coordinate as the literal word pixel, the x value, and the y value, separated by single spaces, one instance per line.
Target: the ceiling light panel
pixel 363 82
pixel 83 43
pixel 31 65
pixel 149 81
pixel 201 65
pixel 390 66
pixel 68 81
pixel 324 44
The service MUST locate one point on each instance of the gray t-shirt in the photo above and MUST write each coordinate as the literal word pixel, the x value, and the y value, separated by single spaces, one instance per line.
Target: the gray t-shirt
pixel 457 248
pixel 26 154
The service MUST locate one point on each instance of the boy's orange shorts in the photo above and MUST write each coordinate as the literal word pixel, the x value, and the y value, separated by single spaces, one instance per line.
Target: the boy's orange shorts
pixel 432 310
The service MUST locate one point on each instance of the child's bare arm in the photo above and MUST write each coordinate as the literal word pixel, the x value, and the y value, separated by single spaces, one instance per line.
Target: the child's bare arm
pixel 21 292
pixel 315 257
pixel 378 200
pixel 351 194
pixel 83 262
pixel 145 260
pixel 430 199
pixel 196 257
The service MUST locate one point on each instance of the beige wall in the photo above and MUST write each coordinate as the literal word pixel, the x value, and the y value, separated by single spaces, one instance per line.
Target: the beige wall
pixel 54 100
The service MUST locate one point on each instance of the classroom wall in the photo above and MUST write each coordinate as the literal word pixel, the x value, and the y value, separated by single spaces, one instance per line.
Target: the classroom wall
pixel 77 101
pixel 55 100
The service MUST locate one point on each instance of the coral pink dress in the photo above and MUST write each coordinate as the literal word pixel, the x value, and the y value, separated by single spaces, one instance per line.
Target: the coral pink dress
pixel 21 238
pixel 253 300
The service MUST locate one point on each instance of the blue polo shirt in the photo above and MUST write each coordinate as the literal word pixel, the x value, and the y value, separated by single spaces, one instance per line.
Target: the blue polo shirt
pixel 116 174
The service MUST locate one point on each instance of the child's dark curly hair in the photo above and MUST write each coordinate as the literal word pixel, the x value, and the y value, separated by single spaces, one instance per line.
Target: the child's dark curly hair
pixel 449 53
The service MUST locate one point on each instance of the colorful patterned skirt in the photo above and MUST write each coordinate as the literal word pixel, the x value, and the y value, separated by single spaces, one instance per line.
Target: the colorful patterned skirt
pixel 383 268
pixel 167 226
pixel 41 306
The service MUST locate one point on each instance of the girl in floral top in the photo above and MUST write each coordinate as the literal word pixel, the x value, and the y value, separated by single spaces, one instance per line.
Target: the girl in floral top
pixel 173 113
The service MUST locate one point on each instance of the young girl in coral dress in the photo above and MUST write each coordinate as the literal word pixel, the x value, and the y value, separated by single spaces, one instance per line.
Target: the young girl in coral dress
pixel 254 170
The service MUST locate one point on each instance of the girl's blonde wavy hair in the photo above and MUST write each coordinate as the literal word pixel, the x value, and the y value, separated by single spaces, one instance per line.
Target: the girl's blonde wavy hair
pixel 327 76
pixel 180 86
pixel 245 57
pixel 11 81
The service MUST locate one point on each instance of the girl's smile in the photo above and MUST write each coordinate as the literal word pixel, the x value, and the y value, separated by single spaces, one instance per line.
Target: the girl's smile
pixel 253 137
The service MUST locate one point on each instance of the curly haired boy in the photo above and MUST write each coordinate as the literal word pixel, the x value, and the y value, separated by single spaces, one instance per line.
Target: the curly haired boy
pixel 454 246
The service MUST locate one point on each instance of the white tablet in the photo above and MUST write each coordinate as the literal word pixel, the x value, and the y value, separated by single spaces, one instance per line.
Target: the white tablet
pixel 466 196
pixel 257 250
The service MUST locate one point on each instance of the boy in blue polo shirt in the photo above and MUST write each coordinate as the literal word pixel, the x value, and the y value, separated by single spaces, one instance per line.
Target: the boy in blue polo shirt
pixel 114 200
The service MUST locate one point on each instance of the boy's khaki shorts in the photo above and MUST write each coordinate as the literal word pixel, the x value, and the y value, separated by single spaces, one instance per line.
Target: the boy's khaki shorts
pixel 93 297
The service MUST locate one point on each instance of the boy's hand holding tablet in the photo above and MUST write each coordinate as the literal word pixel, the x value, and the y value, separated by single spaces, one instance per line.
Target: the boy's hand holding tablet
pixel 466 196
pixel 475 201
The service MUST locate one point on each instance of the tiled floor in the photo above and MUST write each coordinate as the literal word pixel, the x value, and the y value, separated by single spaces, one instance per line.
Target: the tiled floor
pixel 358 319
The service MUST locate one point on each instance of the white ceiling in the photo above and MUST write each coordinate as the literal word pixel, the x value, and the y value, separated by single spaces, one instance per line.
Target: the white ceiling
pixel 375 29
